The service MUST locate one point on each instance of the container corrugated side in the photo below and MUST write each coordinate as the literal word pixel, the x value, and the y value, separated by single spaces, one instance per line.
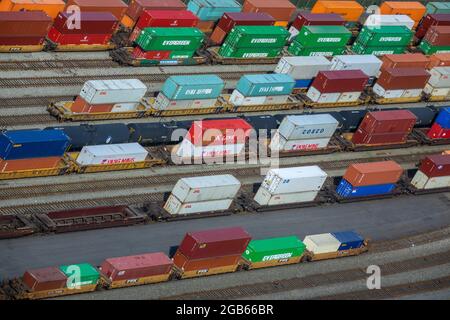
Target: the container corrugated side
pixel 321 243
pixel 274 249
pixel 308 126
pixel 193 87
pixel 303 67
pixel 112 154
pixel 113 91
pixel 265 85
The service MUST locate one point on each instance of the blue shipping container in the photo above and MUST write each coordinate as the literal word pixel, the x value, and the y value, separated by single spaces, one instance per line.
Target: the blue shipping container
pixel 348 239
pixel 254 85
pixel 24 144
pixel 193 87
pixel 212 10
pixel 346 190
pixel 303 83
pixel 443 118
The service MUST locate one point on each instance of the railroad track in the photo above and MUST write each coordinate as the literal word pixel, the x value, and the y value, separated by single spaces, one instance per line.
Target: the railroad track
pixel 8 103
pixel 27 119
pixel 56 64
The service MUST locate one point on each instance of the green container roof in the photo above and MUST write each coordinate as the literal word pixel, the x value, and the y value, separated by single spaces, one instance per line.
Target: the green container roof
pixel 171 32
pixel 88 273
pixel 275 244
pixel 386 29
pixel 326 29
pixel 261 30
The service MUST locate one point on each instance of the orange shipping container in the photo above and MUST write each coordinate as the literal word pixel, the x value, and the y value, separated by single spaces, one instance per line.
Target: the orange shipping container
pixel 439 60
pixel 414 9
pixel 406 60
pixel 29 164
pixel 82 106
pixel 182 262
pixel 51 7
pixel 349 10
pixel 373 173
pixel 280 10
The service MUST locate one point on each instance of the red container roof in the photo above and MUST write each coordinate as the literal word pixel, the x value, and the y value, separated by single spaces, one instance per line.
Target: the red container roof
pixel 407 72
pixel 139 261
pixel 101 3
pixel 439 159
pixel 344 74
pixel 393 115
pixel 440 17
pixel 47 274
pixel 90 16
pixel 219 235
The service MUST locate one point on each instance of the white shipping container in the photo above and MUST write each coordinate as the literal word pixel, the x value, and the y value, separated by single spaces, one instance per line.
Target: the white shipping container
pixel 436 92
pixel 295 179
pixel 187 150
pixel 112 154
pixel 440 77
pixel 412 93
pixel 113 91
pixel 125 107
pixel 294 32
pixel 238 99
pixel 276 99
pixel 389 20
pixel 279 143
pixel 301 68
pixel 349 96
pixel 367 63
pixel 316 96
pixel 308 126
pixel 422 181
pixel 175 206
pixel 206 188
pixel 388 94
pixel 163 103
pixel 265 198
pixel 321 243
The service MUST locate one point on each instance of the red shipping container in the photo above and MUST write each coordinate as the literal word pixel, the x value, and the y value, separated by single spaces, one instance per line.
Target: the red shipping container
pixel 138 266
pixel 116 7
pixel 24 23
pixel 166 18
pixel 75 39
pixel 82 106
pixel 90 23
pixel 21 41
pixel 403 78
pixel 136 7
pixel 405 60
pixel 439 60
pixel 438 19
pixel 214 243
pixel 139 53
pixel 219 132
pixel 437 132
pixel 340 81
pixel 29 164
pixel 280 10
pixel 437 165
pixel 373 173
pixel 203 265
pixel 363 137
pixel 44 279
pixel 231 19
pixel 317 19
pixel 389 121
pixel 438 36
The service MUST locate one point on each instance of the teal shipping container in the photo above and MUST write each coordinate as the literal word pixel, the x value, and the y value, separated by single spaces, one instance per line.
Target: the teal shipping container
pixel 193 87
pixel 212 10
pixel 255 85
pixel 438 7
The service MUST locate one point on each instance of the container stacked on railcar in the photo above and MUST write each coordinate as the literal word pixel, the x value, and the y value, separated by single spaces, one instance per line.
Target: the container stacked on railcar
pixel 281 10
pixel 314 19
pixel 433 173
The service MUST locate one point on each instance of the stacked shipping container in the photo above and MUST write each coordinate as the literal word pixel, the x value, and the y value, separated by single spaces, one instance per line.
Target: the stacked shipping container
pixel 436 40
pixel 281 10
pixel 331 243
pixel 377 20
pixel 50 7
pixel 414 9
pixel 431 20
pixel 115 7
pixel 210 11
pixel 438 86
pixel 433 173
pixel 441 126
pixel 380 40
pixel 314 19
pixel 349 10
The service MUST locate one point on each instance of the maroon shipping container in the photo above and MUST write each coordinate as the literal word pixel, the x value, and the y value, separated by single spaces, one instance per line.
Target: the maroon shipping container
pixel 317 19
pixel 167 18
pixel 363 137
pixel 214 243
pixel 76 39
pixel 438 19
pixel 389 121
pixel 403 78
pixel 44 279
pixel 185 264
pixel 231 19
pixel 24 23
pixel 116 7
pixel 21 41
pixel 436 165
pixel 91 23
pixel 340 81
pixel 438 36
pixel 136 7
pixel 138 266
pixel 405 60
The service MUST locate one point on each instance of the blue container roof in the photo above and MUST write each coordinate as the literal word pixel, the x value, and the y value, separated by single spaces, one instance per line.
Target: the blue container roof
pixel 218 3
pixel 347 236
pixel 35 135
pixel 201 79
pixel 269 78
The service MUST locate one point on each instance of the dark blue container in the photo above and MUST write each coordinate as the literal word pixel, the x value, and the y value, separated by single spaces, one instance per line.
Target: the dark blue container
pixel 443 118
pixel 348 239
pixel 24 144
pixel 346 190
pixel 302 83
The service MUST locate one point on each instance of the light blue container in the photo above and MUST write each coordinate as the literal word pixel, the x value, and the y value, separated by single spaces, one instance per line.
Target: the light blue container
pixel 303 83
pixel 438 7
pixel 346 190
pixel 212 10
pixel 254 85
pixel 193 87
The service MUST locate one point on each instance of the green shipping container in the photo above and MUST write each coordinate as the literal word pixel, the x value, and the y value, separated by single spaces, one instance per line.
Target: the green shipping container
pixel 297 49
pixel 233 52
pixel 323 36
pixel 427 48
pixel 378 51
pixel 177 39
pixel 438 7
pixel 257 37
pixel 391 36
pixel 274 249
pixel 181 54
pixel 87 274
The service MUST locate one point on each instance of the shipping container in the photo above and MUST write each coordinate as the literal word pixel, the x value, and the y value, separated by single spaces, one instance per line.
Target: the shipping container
pixel 238 99
pixel 348 239
pixel 298 49
pixel 113 91
pixel 443 118
pixel 388 121
pixel 316 19
pixel 346 190
pixel 440 77
pixel 279 249
pixel 247 52
pixel 431 20
pixel 308 126
pixel 116 7
pixel 112 154
pixel 50 7
pixel 265 84
pixel 362 137
pixel 358 48
pixel 384 36
pixel 82 274
pixel 280 10
pixel 170 39
pixel 29 164
pixel 257 37
pixel 349 10
pixel 369 64
pixel 428 48
pixel 43 279
pixel 212 10
pixel 438 7
pixel 24 24
pixel 340 81
pixel 414 9
pixel 302 67
pixel 59 38
pixel 265 198
pixel 90 23
pixel 321 243
pixel 136 7
pixel 422 181
pixel 205 266
pixel 33 143
pixel 375 20
pixel 231 19
pixel 164 103
pixel 438 132
pixel 214 243
pixel 435 166
pixel 206 188
pixel 403 78
pixel 373 173
pixel 219 132
pixel 323 36
pixel 316 96
pixel 406 60
pixel 438 36
pixel 193 87
pixel 175 207
pixel 280 143
pixel 166 18
pixel 186 149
